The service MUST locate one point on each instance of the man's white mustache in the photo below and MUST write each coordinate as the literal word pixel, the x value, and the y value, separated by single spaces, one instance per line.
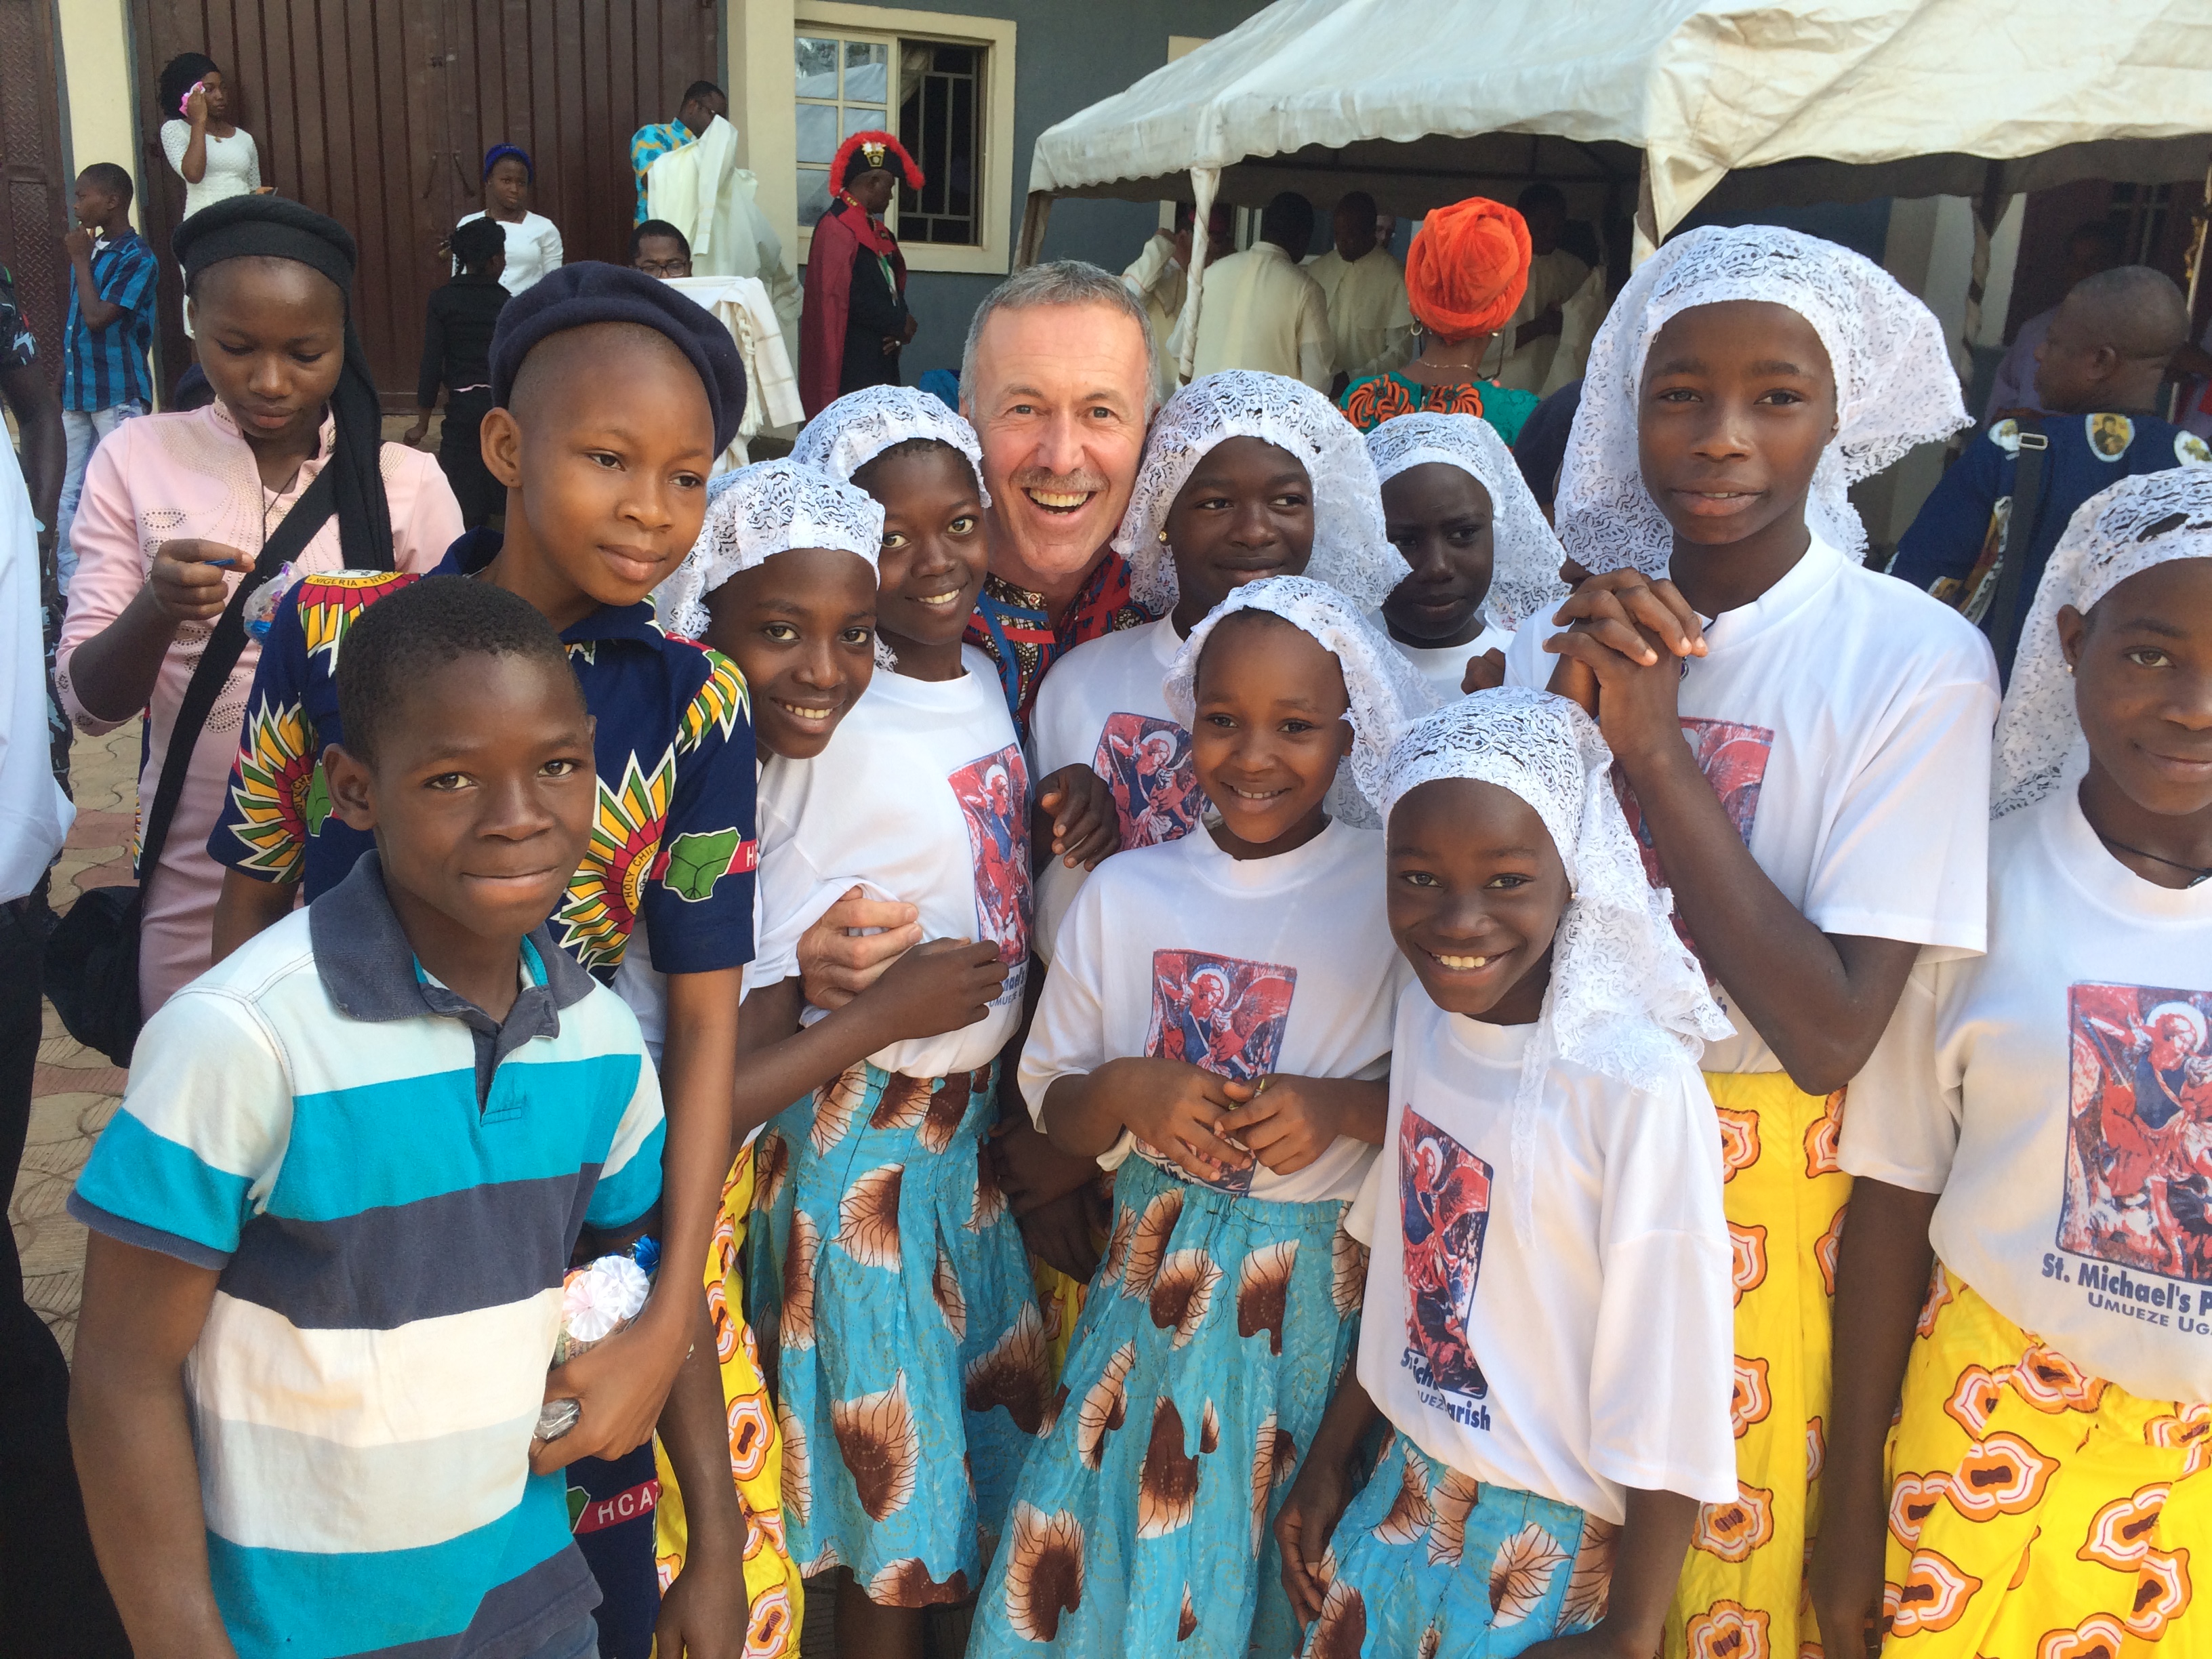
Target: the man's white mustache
pixel 1061 484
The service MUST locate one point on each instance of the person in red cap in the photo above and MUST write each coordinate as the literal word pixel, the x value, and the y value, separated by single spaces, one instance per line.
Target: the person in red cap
pixel 855 320
pixel 1465 275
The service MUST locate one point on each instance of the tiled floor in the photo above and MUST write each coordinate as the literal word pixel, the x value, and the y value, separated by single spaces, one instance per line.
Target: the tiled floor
pixel 74 1090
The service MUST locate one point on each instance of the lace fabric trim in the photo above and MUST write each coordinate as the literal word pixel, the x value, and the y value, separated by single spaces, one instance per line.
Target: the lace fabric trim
pixel 2138 524
pixel 1895 384
pixel 1385 691
pixel 861 425
pixel 1351 552
pixel 755 513
pixel 1524 578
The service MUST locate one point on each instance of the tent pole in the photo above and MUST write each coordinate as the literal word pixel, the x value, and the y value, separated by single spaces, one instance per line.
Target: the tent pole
pixel 1645 241
pixel 1037 209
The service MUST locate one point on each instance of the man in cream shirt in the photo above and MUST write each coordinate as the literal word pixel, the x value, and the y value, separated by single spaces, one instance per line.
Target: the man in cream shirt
pixel 1369 320
pixel 1260 310
pixel 1524 353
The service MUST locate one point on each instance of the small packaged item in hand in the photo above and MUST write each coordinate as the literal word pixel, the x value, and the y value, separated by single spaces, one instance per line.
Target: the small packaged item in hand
pixel 596 1300
pixel 260 611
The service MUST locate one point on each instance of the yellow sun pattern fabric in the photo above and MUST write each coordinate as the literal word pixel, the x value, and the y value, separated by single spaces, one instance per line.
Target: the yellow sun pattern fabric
pixel 275 773
pixel 671 846
pixel 1742 1590
pixel 594 920
pixel 775 1598
pixel 2035 1510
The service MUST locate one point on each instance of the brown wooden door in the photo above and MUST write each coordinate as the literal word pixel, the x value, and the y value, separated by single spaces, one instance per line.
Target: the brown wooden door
pixel 33 209
pixel 378 113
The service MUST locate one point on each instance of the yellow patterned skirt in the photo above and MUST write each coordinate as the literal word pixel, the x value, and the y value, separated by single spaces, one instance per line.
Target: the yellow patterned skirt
pixel 772 1585
pixel 1742 1591
pixel 2036 1510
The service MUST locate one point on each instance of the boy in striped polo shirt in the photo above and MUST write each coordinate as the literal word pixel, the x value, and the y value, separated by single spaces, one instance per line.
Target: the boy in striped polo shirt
pixel 113 281
pixel 330 1224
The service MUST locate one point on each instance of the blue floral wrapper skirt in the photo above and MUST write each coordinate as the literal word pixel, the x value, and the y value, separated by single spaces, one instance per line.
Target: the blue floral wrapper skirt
pixel 1208 1347
pixel 1429 1561
pixel 889 1283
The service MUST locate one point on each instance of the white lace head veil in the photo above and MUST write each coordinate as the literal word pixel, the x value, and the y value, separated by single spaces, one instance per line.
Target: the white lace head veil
pixel 1524 578
pixel 1626 999
pixel 861 425
pixel 2140 522
pixel 1385 691
pixel 1895 386
pixel 1350 551
pixel 755 513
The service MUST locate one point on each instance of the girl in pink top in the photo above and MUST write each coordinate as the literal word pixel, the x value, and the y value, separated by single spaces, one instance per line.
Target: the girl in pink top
pixel 176 507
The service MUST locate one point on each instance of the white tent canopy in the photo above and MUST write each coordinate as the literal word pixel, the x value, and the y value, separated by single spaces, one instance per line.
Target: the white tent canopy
pixel 1422 101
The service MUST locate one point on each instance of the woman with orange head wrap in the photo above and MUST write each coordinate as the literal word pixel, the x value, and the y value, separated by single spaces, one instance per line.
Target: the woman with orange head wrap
pixel 1464 276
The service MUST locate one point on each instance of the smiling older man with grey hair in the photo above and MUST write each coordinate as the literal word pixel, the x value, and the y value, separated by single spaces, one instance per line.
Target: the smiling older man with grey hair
pixel 1057 380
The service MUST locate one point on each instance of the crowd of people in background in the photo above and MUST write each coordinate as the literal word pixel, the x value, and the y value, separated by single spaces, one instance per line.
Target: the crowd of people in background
pixel 1225 993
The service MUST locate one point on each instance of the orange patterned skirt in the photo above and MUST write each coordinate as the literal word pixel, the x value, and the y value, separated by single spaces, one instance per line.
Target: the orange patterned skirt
pixel 2036 1510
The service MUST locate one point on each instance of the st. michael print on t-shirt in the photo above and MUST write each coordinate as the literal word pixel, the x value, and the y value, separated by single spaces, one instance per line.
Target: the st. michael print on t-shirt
pixel 1146 762
pixel 2138 1176
pixel 1443 1196
pixel 1224 1015
pixel 994 792
pixel 1733 757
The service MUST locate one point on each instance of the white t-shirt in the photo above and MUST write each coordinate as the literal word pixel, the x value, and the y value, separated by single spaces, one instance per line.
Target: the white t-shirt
pixel 1843 719
pixel 533 247
pixel 2015 1085
pixel 1243 966
pixel 1102 706
pixel 233 164
pixel 1444 666
pixel 1599 1360
pixel 921 795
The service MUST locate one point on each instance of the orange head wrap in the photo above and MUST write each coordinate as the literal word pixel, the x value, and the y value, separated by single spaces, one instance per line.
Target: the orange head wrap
pixel 1468 268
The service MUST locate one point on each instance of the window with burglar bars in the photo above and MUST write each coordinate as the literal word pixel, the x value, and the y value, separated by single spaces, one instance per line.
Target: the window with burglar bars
pixel 940 123
pixel 851 83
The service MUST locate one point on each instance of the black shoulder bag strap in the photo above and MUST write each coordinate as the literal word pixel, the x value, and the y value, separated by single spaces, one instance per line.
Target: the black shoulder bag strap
pixel 2018 535
pixel 226 644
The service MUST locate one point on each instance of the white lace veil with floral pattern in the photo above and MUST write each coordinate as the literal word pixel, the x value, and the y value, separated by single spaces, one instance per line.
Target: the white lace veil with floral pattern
pixel 1524 572
pixel 755 513
pixel 2139 523
pixel 1386 691
pixel 861 425
pixel 1350 551
pixel 1626 998
pixel 1895 385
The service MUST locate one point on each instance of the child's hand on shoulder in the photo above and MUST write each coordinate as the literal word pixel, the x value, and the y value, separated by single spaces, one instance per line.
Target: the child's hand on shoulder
pixel 939 986
pixel 1180 1111
pixel 619 1386
pixel 1075 810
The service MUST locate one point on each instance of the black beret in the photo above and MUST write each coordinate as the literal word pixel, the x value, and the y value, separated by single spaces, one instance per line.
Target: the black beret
pixel 265 227
pixel 578 295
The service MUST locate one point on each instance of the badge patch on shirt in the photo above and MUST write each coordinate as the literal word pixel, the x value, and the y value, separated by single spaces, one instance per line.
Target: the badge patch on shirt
pixel 2109 435
pixel 1146 764
pixel 691 864
pixel 994 792
pixel 1734 757
pixel 2190 450
pixel 1443 1199
pixel 1221 1014
pixel 2138 1177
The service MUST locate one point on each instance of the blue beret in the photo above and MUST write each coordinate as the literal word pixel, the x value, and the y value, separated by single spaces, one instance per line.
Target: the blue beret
pixel 578 295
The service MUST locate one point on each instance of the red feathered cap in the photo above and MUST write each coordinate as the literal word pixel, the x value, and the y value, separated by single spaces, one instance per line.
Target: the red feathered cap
pixel 1468 268
pixel 874 150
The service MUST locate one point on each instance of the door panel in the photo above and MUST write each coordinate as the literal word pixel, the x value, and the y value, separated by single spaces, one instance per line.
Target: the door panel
pixel 33 193
pixel 379 112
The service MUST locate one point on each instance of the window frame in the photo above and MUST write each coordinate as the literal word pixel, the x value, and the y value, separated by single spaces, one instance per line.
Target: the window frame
pixel 995 38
